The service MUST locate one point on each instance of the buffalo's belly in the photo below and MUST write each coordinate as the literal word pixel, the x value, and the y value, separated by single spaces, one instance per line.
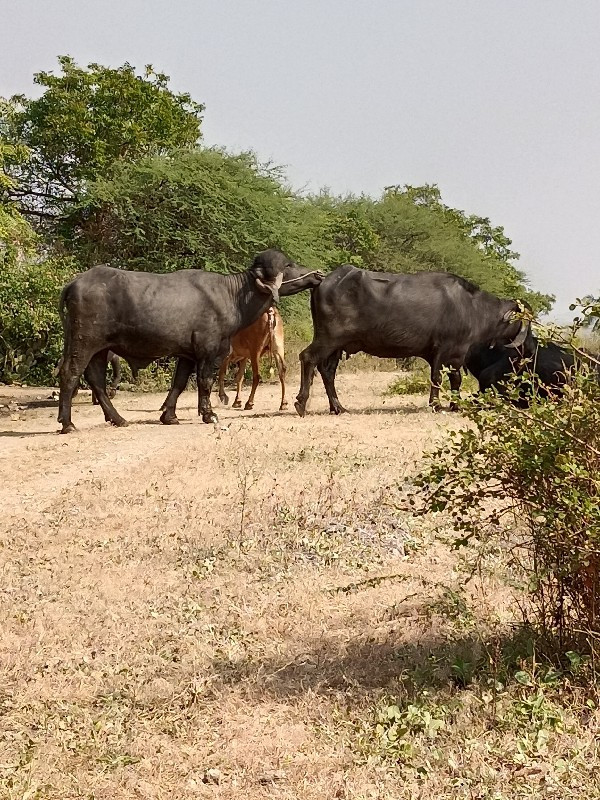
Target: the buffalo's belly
pixel 147 347
pixel 387 346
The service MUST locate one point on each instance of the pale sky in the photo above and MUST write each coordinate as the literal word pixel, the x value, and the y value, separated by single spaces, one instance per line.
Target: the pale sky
pixel 496 101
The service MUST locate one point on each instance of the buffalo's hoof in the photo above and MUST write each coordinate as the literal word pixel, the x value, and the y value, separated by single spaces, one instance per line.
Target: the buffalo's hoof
pixel 169 419
pixel 337 410
pixel 237 404
pixel 300 409
pixel 248 406
pixel 118 422
pixel 68 428
pixel 224 399
pixel 210 418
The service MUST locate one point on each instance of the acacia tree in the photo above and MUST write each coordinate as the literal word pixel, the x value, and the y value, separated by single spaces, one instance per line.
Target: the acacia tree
pixel 86 120
pixel 417 231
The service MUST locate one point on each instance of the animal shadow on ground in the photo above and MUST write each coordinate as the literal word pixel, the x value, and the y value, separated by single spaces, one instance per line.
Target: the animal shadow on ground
pixel 18 434
pixel 365 665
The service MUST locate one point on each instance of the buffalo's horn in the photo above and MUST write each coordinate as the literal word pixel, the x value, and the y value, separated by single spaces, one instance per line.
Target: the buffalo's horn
pixel 271 288
pixel 519 339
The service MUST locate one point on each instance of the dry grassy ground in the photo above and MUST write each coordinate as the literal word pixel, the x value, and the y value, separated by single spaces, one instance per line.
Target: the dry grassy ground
pixel 246 611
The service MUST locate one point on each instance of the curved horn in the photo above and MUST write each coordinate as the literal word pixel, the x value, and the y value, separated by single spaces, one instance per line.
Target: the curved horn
pixel 519 339
pixel 271 288
pixel 262 286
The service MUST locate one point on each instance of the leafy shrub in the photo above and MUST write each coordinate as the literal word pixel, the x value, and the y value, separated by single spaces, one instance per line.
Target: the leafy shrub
pixel 535 471
pixel 418 380
pixel 30 328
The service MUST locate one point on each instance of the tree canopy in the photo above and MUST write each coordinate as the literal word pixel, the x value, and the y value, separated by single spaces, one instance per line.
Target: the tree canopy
pixel 107 165
pixel 85 121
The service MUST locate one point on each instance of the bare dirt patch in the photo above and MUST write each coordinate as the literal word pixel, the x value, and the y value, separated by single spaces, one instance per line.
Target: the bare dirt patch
pixel 226 611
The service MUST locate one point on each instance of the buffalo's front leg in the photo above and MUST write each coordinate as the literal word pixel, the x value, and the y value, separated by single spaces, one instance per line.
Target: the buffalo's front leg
pixel 95 374
pixel 436 381
pixel 455 382
pixel 208 363
pixel 205 375
pixel 183 371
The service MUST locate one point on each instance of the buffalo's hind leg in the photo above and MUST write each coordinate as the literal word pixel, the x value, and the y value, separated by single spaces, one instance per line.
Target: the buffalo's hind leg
pixel 95 375
pixel 309 358
pixel 183 370
pixel 327 370
pixel 71 370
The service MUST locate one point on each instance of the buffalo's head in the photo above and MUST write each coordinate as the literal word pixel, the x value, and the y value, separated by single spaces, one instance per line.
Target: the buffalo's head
pixel 297 279
pixel 268 268
pixel 276 274
pixel 516 330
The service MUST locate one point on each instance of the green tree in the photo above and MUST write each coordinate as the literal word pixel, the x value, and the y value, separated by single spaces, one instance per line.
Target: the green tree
pixel 86 120
pixel 417 231
pixel 199 209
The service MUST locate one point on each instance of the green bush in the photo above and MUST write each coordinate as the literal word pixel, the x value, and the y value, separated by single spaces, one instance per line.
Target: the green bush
pixel 417 380
pixel 30 328
pixel 532 474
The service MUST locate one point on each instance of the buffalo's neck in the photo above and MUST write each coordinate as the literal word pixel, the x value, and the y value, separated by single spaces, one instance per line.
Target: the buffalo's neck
pixel 248 303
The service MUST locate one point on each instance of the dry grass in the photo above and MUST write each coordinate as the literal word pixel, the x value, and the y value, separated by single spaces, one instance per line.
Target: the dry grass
pixel 231 612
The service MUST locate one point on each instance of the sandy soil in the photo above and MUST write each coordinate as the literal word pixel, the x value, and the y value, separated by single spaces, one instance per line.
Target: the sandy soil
pixel 177 610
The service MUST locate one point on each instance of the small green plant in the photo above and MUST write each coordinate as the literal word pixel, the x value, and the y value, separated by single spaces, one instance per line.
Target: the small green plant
pixel 396 727
pixel 416 381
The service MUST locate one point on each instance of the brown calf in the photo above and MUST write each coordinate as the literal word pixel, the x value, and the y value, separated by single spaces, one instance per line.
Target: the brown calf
pixel 262 337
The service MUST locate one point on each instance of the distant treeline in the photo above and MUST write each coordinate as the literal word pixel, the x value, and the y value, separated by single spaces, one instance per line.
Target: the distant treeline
pixel 108 166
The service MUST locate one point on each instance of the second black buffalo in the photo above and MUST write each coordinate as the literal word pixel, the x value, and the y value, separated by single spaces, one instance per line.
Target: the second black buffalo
pixel 434 315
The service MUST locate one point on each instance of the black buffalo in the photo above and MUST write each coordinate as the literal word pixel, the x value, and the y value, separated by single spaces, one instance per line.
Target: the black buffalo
pixel 548 369
pixel 434 315
pixel 142 316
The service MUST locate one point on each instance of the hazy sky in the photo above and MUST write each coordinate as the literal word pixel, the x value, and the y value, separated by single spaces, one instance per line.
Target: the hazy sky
pixel 496 101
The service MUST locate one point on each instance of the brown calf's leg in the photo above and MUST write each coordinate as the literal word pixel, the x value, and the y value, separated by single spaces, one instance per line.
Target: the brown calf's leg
pixel 222 373
pixel 281 370
pixel 255 381
pixel 239 382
